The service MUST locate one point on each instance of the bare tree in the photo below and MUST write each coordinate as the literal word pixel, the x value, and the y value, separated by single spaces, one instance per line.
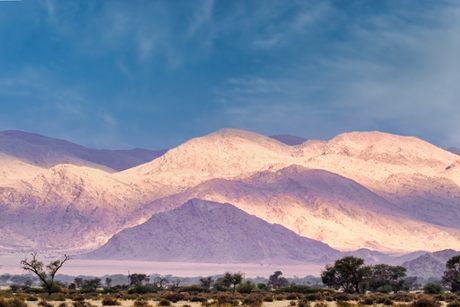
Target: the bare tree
pixel 45 274
pixel 159 281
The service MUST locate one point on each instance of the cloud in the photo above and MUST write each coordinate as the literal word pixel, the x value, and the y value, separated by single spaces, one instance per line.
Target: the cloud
pixel 388 74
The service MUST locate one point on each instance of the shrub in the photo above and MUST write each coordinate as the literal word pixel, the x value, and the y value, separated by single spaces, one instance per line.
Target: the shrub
pixel 368 300
pixel 388 302
pixel 143 290
pixel 193 288
pixel 82 304
pixel 303 303
pixel 59 297
pixel 109 301
pixel 292 296
pixel 385 289
pixel 198 299
pixel 313 297
pixel 15 302
pixel 78 298
pixel 425 301
pixel 292 303
pixel 225 298
pixel 141 303
pixel 433 288
pixel 31 298
pixel 63 304
pixel 402 297
pixel 164 302
pixel 262 286
pixel 279 297
pixel 321 304
pixel 345 304
pixel 246 287
pixel 454 304
pixel 269 297
pixel 173 297
pixel 254 300
pixel 341 297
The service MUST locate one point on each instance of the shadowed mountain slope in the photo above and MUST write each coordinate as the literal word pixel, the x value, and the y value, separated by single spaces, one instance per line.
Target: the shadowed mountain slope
pixel 323 206
pixel 203 231
pixel 48 152
pixel 288 139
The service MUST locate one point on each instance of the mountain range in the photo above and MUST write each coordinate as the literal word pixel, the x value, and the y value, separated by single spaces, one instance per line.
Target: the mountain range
pixel 360 190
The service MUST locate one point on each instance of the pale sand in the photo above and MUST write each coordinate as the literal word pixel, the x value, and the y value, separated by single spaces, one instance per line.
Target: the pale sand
pixel 11 264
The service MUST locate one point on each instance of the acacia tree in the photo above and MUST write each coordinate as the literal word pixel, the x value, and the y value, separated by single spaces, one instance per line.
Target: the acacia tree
pixel 387 278
pixel 232 279
pixel 137 279
pixel 277 281
pixel 451 277
pixel 45 274
pixel 347 273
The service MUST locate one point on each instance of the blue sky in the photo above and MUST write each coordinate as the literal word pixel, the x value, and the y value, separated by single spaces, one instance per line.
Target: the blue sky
pixel 153 74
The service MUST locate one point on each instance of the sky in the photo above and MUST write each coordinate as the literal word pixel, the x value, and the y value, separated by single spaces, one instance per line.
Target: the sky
pixel 153 74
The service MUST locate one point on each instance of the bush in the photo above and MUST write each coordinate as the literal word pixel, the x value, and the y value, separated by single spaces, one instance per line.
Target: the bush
pixel 387 302
pixel 193 288
pixel 279 297
pixel 402 297
pixel 313 297
pixel 269 298
pixel 31 298
pixel 141 303
pixel 198 299
pixel 143 290
pixel 292 296
pixel 321 304
pixel 109 301
pixel 302 289
pixel 425 301
pixel 454 304
pixel 164 302
pixel 173 297
pixel 246 287
pixel 345 304
pixel 433 288
pixel 78 298
pixel 254 300
pixel 303 303
pixel 15 302
pixel 342 297
pixel 59 297
pixel 367 300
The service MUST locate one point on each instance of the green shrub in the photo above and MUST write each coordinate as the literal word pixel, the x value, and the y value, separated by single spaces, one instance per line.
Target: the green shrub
pixel 433 288
pixel 246 287
pixel 31 298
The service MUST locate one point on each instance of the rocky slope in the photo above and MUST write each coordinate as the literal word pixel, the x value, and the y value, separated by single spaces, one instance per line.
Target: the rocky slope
pixel 203 231
pixel 430 264
pixel 369 189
